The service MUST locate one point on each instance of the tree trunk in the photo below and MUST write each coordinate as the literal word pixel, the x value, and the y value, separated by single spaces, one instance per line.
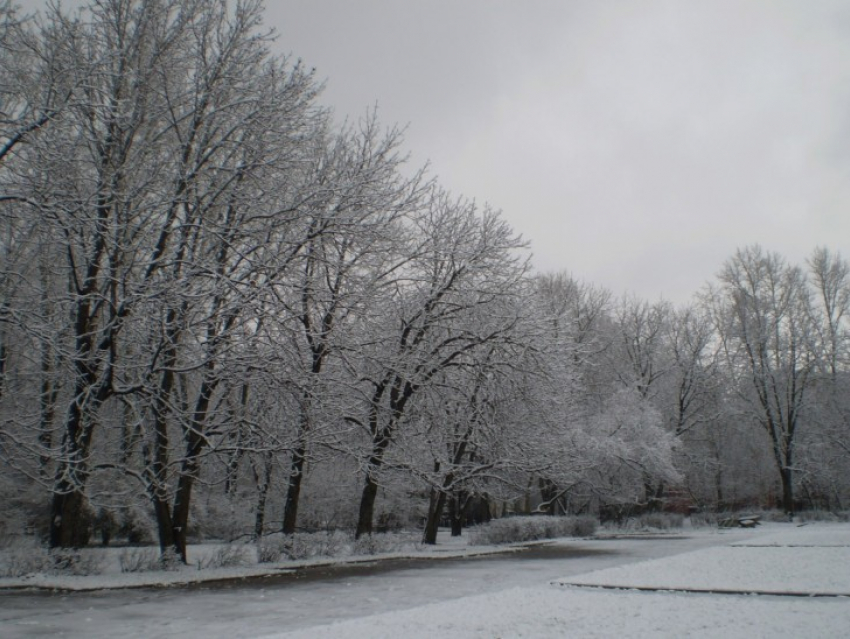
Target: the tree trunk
pixel 456 516
pixel 366 515
pixel 70 525
pixel 436 504
pixel 190 468
pixel 260 517
pixel 158 466
pixel 164 526
pixel 293 490
pixel 367 507
pixel 263 483
pixel 787 491
pixel 549 493
pixel 718 489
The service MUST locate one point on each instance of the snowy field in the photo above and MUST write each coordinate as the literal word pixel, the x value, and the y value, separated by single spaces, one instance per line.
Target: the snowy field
pixel 693 583
pixel 656 598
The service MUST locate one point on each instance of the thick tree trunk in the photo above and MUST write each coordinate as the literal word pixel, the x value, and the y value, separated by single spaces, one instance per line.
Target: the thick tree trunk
pixel 182 498
pixel 180 519
pixel 190 468
pixel 787 491
pixel 436 504
pixel 164 526
pixel 158 466
pixel 70 524
pixel 293 490
pixel 366 514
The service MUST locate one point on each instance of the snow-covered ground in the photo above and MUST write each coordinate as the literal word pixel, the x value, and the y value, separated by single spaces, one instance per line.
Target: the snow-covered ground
pixel 109 574
pixel 657 598
pixel 551 592
pixel 542 612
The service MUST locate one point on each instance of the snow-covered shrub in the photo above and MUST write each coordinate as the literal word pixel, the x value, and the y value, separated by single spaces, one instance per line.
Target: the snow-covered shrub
pixel 368 545
pixel 77 562
pixel 332 543
pixel 384 543
pixel 583 527
pixel 769 515
pixel 268 552
pixel 704 519
pixel 147 560
pixel 518 529
pixel 220 517
pixel 105 525
pixel 321 544
pixel 660 521
pixel 135 525
pixel 300 546
pixel 20 560
pixel 823 515
pixel 224 557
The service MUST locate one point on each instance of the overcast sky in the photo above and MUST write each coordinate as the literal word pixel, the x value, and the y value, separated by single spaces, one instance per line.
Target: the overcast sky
pixel 635 144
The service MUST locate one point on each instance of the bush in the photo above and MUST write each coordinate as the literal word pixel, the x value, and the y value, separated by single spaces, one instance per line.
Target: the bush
pixel 661 521
pixel 520 529
pixel 704 519
pixel 21 561
pixel 135 526
pixel 224 557
pixel 384 543
pixel 106 525
pixel 330 544
pixel 770 515
pixel 268 552
pixel 823 515
pixel 367 545
pixel 302 546
pixel 321 544
pixel 650 521
pixel 24 559
pixel 77 562
pixel 147 560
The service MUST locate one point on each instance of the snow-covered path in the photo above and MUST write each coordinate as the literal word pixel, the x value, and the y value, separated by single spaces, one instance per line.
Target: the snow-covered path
pixel 320 596
pixel 403 598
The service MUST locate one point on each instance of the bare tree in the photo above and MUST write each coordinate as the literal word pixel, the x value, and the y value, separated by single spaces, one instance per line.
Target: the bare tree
pixel 831 280
pixel 763 315
pixel 153 194
pixel 463 261
pixel 357 203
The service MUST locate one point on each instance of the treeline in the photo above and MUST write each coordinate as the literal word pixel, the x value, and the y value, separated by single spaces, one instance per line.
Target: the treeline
pixel 220 311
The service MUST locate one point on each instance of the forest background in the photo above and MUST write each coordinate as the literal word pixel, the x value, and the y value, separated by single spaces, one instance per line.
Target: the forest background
pixel 223 313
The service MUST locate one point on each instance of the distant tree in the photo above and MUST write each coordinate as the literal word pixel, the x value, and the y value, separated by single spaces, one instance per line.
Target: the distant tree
pixel 825 454
pixel 763 314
